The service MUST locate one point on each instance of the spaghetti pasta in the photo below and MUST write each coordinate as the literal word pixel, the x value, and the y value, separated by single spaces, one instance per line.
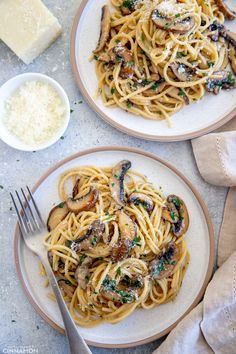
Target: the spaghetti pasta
pixel 110 260
pixel 156 56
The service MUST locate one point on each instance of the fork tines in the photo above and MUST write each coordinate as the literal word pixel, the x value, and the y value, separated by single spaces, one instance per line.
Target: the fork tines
pixel 29 216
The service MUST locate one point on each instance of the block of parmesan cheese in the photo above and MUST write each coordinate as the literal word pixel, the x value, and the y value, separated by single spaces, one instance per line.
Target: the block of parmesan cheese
pixel 27 27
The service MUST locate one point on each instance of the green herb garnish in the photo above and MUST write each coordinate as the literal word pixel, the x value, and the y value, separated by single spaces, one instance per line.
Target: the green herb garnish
pixel 82 258
pixel 61 205
pixel 118 271
pixel 181 93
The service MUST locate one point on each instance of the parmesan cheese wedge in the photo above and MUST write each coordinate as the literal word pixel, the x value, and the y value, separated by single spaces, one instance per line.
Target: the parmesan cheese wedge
pixel 27 27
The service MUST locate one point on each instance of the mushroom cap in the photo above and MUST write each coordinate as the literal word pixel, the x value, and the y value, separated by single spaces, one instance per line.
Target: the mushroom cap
pixel 56 215
pixel 84 203
pixel 168 24
pixel 165 262
pixel 229 14
pixel 116 182
pixel 140 198
pixel 105 28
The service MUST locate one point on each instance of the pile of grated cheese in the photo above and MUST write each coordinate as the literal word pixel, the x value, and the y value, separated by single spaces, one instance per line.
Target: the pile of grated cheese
pixel 34 113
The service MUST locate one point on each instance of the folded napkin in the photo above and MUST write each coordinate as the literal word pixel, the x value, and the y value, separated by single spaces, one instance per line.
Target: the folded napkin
pixel 211 326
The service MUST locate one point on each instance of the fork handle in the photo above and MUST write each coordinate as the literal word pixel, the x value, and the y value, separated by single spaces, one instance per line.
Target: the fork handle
pixel 76 341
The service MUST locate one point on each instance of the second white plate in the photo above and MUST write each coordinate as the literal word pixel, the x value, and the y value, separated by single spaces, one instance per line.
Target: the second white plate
pixel 192 121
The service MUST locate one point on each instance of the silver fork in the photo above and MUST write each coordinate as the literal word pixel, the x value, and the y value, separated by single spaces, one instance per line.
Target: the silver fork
pixel 32 229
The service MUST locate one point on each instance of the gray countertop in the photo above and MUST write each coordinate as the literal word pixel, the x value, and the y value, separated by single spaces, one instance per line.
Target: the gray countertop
pixel 20 325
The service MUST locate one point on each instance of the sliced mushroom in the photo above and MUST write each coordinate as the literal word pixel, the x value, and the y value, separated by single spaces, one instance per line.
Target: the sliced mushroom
pixel 111 292
pixel 82 272
pixel 182 72
pixel 176 25
pixel 128 7
pixel 155 77
pixel 165 263
pixel 117 181
pixel 220 80
pixel 127 227
pixel 128 231
pixel 170 213
pixel 120 251
pixel 105 28
pixel 141 198
pixel 90 239
pixel 75 190
pixel 232 57
pixel 67 288
pixel 229 14
pixel 56 215
pixel 177 214
pixel 126 58
pixel 84 203
pixel 181 226
pixel 229 36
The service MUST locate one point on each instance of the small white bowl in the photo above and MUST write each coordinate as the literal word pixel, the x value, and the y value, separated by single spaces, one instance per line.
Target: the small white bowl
pixel 8 89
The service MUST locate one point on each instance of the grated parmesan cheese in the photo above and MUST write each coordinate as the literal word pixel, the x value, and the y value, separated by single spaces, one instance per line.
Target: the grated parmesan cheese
pixel 169 8
pixel 34 113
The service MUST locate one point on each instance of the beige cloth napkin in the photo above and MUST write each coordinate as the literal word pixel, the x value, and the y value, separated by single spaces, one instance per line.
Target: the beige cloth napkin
pixel 211 326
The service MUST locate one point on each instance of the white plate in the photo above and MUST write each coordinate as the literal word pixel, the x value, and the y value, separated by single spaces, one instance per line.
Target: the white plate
pixel 192 121
pixel 143 325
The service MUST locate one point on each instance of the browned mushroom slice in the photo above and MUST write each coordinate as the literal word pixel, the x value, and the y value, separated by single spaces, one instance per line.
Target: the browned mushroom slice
pixel 111 292
pixel 176 25
pixel 67 288
pixel 229 14
pixel 117 181
pixel 105 28
pixel 90 239
pixel 84 203
pixel 165 263
pixel 232 57
pixel 183 72
pixel 82 271
pixel 126 58
pixel 181 226
pixel 230 36
pixel 75 190
pixel 127 227
pixel 141 198
pixel 170 213
pixel 56 215
pixel 220 80
pixel 128 233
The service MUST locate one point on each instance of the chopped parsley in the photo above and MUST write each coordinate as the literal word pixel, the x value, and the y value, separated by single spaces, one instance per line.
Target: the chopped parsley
pixel 143 37
pixel 136 241
pixel 177 202
pixel 155 86
pixel 61 205
pixel 113 90
pixel 172 215
pixel 129 104
pixel 62 137
pixel 71 110
pixel 181 93
pixel 210 64
pixel 177 15
pixel 167 25
pixel 94 241
pixel 95 57
pixel 113 184
pixel 128 4
pixel 180 55
pixel 145 82
pixel 118 271
pixel 231 79
pixel 82 258
pixel 117 41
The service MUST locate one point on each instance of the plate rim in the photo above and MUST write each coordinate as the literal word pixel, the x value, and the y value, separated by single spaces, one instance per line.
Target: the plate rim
pixel 197 196
pixel 120 127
